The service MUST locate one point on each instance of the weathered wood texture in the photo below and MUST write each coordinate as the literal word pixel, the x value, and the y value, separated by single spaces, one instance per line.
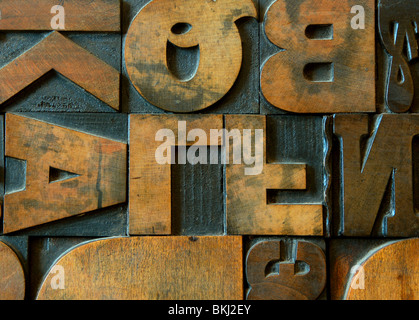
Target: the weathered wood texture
pixel 327 66
pixel 376 193
pixel 150 182
pixel 248 210
pixel 398 68
pixel 363 269
pixel 12 277
pixel 57 52
pixel 79 15
pixel 151 268
pixel 274 274
pixel 67 173
pixel 206 28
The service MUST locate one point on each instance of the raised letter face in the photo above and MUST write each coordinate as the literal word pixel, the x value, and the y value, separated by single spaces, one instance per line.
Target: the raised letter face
pixel 205 30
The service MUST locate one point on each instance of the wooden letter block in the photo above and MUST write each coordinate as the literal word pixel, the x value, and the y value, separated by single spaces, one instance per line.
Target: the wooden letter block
pixel 151 268
pixel 376 175
pixel 164 27
pixel 398 28
pixel 149 181
pixel 248 211
pixel 78 15
pixel 12 276
pixel 374 270
pixel 327 66
pixel 67 172
pixel 57 52
pixel 273 276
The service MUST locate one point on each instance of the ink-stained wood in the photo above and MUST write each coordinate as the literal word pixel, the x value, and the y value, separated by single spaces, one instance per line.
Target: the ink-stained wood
pixel 303 277
pixel 149 181
pixel 67 172
pixel 151 268
pixel 398 26
pixel 79 15
pixel 391 273
pixel 163 28
pixel 248 211
pixel 373 269
pixel 57 52
pixel 12 276
pixel 326 67
pixel 376 192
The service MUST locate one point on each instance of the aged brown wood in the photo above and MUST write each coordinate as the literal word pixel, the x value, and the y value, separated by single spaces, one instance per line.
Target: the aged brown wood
pixel 327 67
pixel 151 268
pixel 206 25
pixel 248 211
pixel 272 279
pixel 12 277
pixel 149 181
pixel 67 58
pixel 377 187
pixel 391 273
pixel 99 163
pixel 80 15
pixel 397 26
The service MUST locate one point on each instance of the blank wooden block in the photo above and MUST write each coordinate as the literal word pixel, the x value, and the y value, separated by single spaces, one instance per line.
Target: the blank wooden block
pixel 151 268
pixel 79 15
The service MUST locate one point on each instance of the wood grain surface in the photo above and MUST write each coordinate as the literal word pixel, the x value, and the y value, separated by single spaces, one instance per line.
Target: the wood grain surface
pixel 98 166
pixel 391 273
pixel 272 279
pixel 12 276
pixel 207 26
pixel 151 268
pixel 248 211
pixel 80 15
pixel 326 67
pixel 376 193
pixel 149 181
pixel 67 58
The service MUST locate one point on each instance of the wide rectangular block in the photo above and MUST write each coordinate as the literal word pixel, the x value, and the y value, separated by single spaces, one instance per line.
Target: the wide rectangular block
pixel 151 268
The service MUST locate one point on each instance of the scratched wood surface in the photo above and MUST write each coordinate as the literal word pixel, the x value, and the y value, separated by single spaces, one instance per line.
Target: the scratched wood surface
pixel 97 166
pixel 248 211
pixel 151 268
pixel 327 66
pixel 376 193
pixel 57 52
pixel 80 15
pixel 391 273
pixel 273 276
pixel 149 181
pixel 12 276
pixel 209 28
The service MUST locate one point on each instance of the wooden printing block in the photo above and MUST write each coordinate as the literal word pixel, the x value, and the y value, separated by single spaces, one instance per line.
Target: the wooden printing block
pixel 12 276
pixel 370 269
pixel 209 65
pixel 286 269
pixel 66 172
pixel 375 175
pixel 321 63
pixel 149 268
pixel 248 209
